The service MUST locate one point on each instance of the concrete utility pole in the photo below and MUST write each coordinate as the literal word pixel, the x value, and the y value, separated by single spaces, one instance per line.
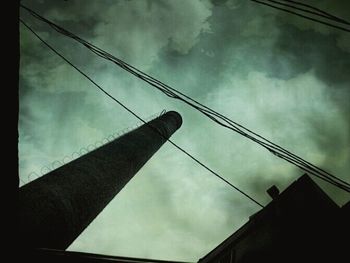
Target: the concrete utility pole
pixel 55 208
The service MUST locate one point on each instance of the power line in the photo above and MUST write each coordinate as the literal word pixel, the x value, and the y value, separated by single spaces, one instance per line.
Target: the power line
pixel 139 118
pixel 335 18
pixel 301 15
pixel 311 10
pixel 211 114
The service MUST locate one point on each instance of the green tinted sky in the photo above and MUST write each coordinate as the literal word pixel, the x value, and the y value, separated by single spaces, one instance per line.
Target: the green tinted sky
pixel 282 76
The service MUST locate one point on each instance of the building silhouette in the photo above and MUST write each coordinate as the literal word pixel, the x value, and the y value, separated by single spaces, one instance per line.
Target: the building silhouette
pixel 302 224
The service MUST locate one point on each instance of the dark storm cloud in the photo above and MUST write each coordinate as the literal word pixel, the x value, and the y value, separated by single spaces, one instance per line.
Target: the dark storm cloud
pixel 72 15
pixel 235 43
pixel 305 50
pixel 229 46
pixel 277 46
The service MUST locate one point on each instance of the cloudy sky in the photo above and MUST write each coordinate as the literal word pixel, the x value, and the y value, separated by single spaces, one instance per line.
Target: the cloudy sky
pixel 280 75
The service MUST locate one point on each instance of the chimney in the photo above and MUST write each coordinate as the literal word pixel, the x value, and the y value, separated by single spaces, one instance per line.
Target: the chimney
pixel 55 208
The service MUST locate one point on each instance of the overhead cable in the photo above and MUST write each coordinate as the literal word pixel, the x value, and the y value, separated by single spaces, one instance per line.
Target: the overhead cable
pixel 139 118
pixel 213 115
pixel 318 11
pixel 291 11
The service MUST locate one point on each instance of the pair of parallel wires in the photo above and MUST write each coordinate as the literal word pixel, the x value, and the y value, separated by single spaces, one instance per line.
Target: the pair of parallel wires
pixel 208 112
pixel 308 12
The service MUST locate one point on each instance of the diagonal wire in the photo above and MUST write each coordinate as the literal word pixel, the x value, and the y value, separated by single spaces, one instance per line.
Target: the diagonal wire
pixel 330 16
pixel 213 115
pixel 139 118
pixel 317 11
pixel 300 15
